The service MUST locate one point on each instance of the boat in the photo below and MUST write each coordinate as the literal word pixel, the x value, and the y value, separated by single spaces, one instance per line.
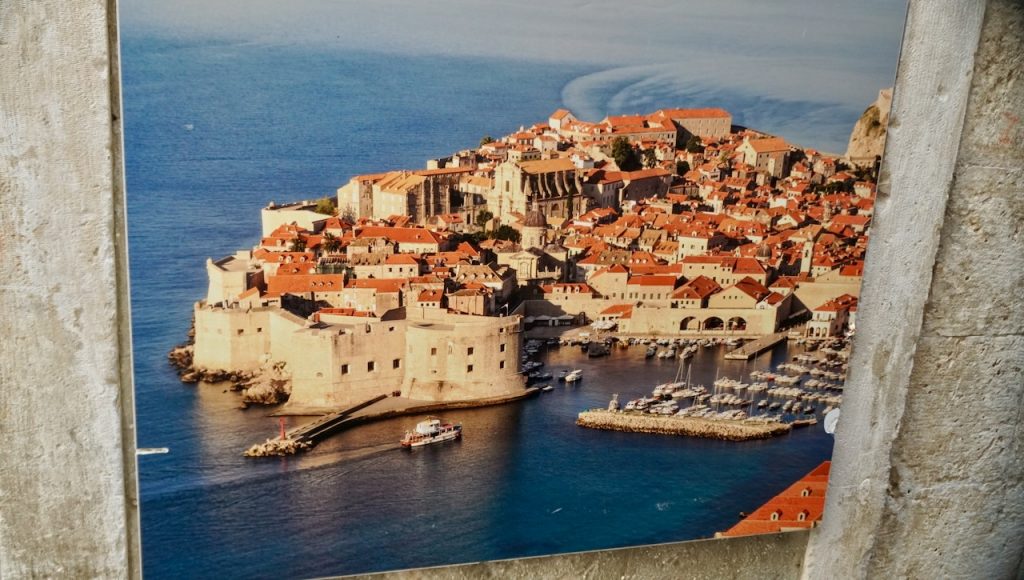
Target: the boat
pixel 431 431
pixel 574 376
pixel 547 388
pixel 805 422
pixel 596 349
pixel 651 351
pixel 613 405
pixel 562 374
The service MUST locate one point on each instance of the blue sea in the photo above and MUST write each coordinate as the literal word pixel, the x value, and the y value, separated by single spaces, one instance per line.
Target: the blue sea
pixel 214 131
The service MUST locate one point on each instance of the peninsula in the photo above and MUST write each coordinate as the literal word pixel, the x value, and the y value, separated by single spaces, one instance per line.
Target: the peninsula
pixel 415 287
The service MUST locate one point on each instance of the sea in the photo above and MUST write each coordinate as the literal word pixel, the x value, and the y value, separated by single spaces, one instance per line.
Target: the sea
pixel 214 131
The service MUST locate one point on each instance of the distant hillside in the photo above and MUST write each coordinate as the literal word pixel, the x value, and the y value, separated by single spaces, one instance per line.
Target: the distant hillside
pixel 868 137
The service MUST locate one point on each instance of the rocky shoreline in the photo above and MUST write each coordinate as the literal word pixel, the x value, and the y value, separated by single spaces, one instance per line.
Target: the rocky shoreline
pixel 268 385
pixel 686 426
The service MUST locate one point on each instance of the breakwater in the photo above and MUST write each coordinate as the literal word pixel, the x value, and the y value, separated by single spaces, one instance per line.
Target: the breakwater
pixel 727 430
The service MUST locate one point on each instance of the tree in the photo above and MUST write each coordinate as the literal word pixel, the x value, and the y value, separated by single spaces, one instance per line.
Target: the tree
pixel 331 243
pixel 326 206
pixel 650 158
pixel 486 139
pixel 483 218
pixel 694 145
pixel 624 154
pixel 298 245
pixel 682 168
pixel 507 233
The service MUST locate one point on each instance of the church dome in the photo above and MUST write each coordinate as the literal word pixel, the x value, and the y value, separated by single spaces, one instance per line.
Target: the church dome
pixel 535 219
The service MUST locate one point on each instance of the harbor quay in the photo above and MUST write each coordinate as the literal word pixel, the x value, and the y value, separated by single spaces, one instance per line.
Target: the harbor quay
pixel 688 426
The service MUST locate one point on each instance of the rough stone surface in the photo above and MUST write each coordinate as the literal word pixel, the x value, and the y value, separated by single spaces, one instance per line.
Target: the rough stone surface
pixel 66 491
pixel 867 140
pixel 753 557
pixel 927 479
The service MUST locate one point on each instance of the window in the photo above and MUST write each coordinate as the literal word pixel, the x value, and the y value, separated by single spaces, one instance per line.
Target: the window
pixel 371 366
pixel 501 365
pixel 469 351
pixel 775 515
pixel 259 329
pixel 469 369
pixel 433 352
pixel 396 364
pixel 344 369
pixel 240 331
pixel 502 349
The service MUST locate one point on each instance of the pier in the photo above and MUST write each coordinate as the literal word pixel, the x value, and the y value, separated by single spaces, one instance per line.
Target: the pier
pixel 755 347
pixel 304 437
pixel 727 430
pixel 311 433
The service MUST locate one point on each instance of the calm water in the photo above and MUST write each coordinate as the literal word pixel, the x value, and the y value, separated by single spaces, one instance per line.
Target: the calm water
pixel 214 131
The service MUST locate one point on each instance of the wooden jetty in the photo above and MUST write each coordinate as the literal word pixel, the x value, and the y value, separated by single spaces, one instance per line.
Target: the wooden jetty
pixel 755 347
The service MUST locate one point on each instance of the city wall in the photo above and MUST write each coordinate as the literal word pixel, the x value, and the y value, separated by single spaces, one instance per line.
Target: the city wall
pixel 231 338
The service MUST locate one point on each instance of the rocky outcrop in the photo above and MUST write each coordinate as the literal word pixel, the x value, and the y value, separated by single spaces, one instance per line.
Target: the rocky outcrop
pixel 268 385
pixel 689 426
pixel 868 137
pixel 276 447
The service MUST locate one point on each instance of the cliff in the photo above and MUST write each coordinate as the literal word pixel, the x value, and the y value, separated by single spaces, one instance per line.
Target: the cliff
pixel 868 137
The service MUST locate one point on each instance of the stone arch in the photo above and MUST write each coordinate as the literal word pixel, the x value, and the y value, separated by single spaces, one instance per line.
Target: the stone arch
pixel 713 323
pixel 737 323
pixel 689 323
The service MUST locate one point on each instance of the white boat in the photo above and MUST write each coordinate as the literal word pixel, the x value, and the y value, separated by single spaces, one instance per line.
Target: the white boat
pixel 547 388
pixel 431 431
pixel 574 376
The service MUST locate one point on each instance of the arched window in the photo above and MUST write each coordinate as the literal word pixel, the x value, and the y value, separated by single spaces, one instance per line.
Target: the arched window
pixel 775 515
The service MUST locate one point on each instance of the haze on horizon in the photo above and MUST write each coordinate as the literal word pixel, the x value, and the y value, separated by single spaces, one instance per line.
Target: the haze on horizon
pixel 645 54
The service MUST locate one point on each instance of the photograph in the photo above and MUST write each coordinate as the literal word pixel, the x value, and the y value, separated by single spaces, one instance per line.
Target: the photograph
pixel 421 284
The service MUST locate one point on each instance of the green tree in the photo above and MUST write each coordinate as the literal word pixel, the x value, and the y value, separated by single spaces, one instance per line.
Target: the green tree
pixel 650 158
pixel 298 245
pixel 483 218
pixel 331 243
pixel 507 233
pixel 694 145
pixel 625 155
pixel 682 168
pixel 326 206
pixel 486 139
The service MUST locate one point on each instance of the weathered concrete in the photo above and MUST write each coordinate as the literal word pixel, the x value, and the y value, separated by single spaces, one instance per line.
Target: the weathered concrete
pixel 67 487
pixel 927 478
pixel 754 557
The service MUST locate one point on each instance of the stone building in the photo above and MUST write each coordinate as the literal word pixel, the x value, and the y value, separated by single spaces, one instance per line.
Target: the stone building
pixel 552 186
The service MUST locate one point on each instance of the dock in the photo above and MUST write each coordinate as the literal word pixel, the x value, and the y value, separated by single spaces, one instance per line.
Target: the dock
pixel 725 430
pixel 756 347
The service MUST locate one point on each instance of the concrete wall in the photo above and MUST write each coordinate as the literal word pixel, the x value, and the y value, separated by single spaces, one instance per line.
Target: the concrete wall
pixel 928 478
pixel 68 492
